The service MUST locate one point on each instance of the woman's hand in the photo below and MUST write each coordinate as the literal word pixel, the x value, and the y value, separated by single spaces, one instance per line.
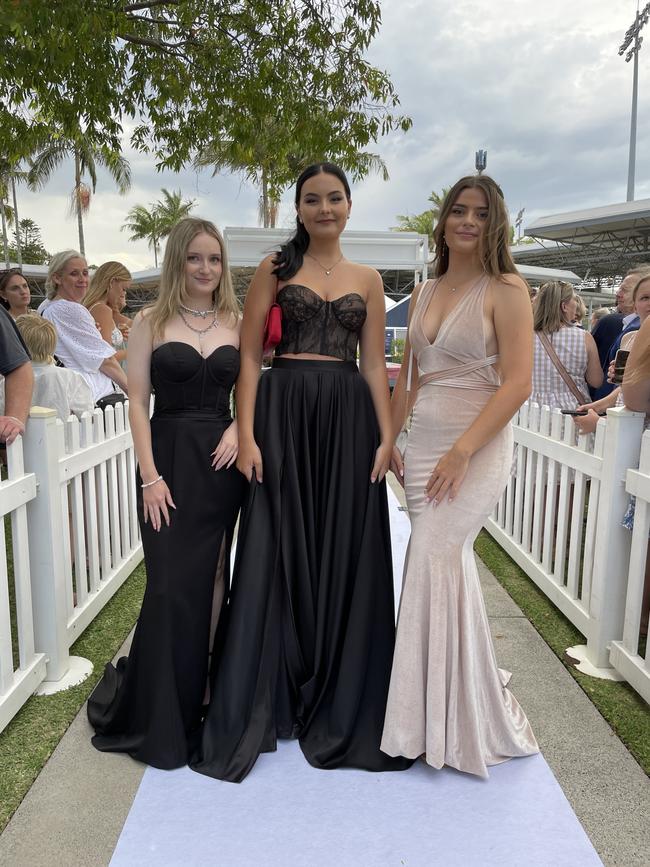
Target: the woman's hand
pixel 249 460
pixel 610 373
pixel 447 476
pixel 156 500
pixel 382 462
pixel 226 451
pixel 586 424
pixel 397 465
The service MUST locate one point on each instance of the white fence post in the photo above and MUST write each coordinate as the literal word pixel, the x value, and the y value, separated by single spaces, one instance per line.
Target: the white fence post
pixel 47 526
pixel 612 548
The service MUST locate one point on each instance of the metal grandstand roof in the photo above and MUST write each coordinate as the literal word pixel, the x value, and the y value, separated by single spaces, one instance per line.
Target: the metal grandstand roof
pixel 594 242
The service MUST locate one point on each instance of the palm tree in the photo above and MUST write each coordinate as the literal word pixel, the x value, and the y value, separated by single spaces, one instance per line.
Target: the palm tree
pixel 10 175
pixel 86 160
pixel 261 167
pixel 171 209
pixel 145 225
pixel 425 222
pixel 154 224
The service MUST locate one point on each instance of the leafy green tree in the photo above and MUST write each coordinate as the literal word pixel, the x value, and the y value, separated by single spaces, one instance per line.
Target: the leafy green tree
pixel 191 72
pixel 57 149
pixel 33 250
pixel 425 222
pixel 154 223
pixel 271 169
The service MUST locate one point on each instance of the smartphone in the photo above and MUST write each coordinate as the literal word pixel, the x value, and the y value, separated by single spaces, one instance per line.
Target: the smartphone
pixel 574 411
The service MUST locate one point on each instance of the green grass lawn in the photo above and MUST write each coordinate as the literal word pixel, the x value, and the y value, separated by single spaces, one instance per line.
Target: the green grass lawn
pixel 30 738
pixel 626 712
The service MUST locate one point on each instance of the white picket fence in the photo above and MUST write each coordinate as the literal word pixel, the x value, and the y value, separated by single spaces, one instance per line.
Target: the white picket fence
pixel 70 493
pixel 560 520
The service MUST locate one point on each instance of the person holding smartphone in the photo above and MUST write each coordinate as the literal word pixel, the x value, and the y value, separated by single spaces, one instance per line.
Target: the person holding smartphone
pixel 587 423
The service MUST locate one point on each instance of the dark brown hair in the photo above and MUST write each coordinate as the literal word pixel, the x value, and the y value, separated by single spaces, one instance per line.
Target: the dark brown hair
pixel 495 240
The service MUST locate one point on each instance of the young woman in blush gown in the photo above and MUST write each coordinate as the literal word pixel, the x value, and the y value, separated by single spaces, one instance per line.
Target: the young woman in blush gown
pixel 185 348
pixel 470 334
pixel 310 622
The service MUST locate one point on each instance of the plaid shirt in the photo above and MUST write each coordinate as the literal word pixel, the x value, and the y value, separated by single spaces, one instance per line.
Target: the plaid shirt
pixel 549 389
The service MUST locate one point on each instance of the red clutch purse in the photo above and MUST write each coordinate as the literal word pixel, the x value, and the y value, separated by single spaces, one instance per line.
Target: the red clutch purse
pixel 272 329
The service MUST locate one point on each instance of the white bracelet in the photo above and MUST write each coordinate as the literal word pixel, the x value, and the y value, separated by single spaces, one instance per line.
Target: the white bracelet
pixel 149 484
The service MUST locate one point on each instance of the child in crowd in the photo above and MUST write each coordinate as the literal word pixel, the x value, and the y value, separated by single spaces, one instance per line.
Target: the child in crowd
pixel 54 387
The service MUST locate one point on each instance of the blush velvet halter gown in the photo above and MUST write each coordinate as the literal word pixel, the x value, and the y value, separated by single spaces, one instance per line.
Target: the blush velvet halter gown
pixel 150 705
pixel 310 621
pixel 448 700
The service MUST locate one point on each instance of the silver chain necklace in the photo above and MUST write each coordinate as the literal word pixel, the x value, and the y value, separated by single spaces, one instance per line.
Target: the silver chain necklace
pixel 200 331
pixel 327 271
pixel 201 313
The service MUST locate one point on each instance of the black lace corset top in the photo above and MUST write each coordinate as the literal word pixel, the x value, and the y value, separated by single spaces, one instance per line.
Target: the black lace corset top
pixel 312 325
pixel 185 382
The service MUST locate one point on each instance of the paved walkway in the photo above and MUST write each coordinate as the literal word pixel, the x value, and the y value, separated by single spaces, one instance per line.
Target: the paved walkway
pixel 74 812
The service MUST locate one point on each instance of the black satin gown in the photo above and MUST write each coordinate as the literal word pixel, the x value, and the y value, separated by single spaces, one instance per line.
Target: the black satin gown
pixel 150 705
pixel 310 627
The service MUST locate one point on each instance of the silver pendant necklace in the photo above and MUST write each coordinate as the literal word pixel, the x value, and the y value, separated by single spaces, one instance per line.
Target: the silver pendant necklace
pixel 200 331
pixel 327 271
pixel 201 313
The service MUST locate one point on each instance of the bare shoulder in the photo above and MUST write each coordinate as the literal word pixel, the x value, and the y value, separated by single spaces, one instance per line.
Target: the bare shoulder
pixel 507 290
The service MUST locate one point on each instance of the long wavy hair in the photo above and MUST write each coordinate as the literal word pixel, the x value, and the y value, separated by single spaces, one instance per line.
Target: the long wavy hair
pixel 289 259
pixel 547 307
pixel 57 264
pixel 101 282
pixel 494 249
pixel 171 291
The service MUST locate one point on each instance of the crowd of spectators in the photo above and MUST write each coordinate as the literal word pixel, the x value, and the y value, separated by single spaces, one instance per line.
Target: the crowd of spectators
pixel 72 357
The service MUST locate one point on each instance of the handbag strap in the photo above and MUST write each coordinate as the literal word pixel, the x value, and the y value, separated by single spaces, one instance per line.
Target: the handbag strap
pixel 561 369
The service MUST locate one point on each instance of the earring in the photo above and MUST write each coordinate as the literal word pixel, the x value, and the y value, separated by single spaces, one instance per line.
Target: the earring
pixel 299 218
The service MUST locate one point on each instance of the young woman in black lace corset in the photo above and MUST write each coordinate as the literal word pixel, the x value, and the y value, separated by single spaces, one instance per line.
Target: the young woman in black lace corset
pixel 310 624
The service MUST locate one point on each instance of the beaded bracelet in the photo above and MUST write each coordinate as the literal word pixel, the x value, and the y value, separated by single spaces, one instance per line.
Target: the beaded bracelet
pixel 149 484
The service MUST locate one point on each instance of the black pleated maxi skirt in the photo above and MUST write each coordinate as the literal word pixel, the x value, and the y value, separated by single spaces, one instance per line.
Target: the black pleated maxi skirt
pixel 308 632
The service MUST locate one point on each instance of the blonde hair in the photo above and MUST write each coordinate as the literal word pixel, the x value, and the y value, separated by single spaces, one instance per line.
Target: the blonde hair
pixel 171 291
pixel 547 310
pixel 101 282
pixel 599 312
pixel 39 335
pixel 581 309
pixel 643 279
pixel 57 264
pixel 495 240
pixel 641 370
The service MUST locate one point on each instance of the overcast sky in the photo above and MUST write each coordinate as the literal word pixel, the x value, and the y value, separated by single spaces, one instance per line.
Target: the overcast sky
pixel 539 85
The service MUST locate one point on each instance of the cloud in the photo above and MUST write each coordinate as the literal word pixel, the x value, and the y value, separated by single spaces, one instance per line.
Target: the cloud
pixel 540 86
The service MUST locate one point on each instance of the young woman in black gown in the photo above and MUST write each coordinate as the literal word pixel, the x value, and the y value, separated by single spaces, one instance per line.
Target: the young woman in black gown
pixel 185 349
pixel 310 623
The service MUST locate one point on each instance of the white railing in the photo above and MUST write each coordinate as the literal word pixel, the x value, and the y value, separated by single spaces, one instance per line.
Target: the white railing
pixel 625 656
pixel 560 520
pixel 75 539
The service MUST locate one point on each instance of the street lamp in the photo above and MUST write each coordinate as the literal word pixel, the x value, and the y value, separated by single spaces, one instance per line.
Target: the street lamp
pixel 480 158
pixel 632 36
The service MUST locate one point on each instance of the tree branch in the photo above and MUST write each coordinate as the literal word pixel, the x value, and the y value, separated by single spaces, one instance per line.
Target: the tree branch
pixel 137 7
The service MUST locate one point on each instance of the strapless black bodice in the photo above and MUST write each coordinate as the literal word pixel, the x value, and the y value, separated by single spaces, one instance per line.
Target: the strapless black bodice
pixel 312 325
pixel 183 381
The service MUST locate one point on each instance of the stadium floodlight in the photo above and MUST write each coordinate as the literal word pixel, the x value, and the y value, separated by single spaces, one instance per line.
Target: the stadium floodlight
pixel 480 160
pixel 634 39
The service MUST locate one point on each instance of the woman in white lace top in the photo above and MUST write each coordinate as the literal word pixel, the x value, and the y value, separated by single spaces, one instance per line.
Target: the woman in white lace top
pixel 79 345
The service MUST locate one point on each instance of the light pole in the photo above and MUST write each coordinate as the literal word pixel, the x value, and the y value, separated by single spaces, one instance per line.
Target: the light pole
pixel 632 36
pixel 480 158
pixel 518 222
